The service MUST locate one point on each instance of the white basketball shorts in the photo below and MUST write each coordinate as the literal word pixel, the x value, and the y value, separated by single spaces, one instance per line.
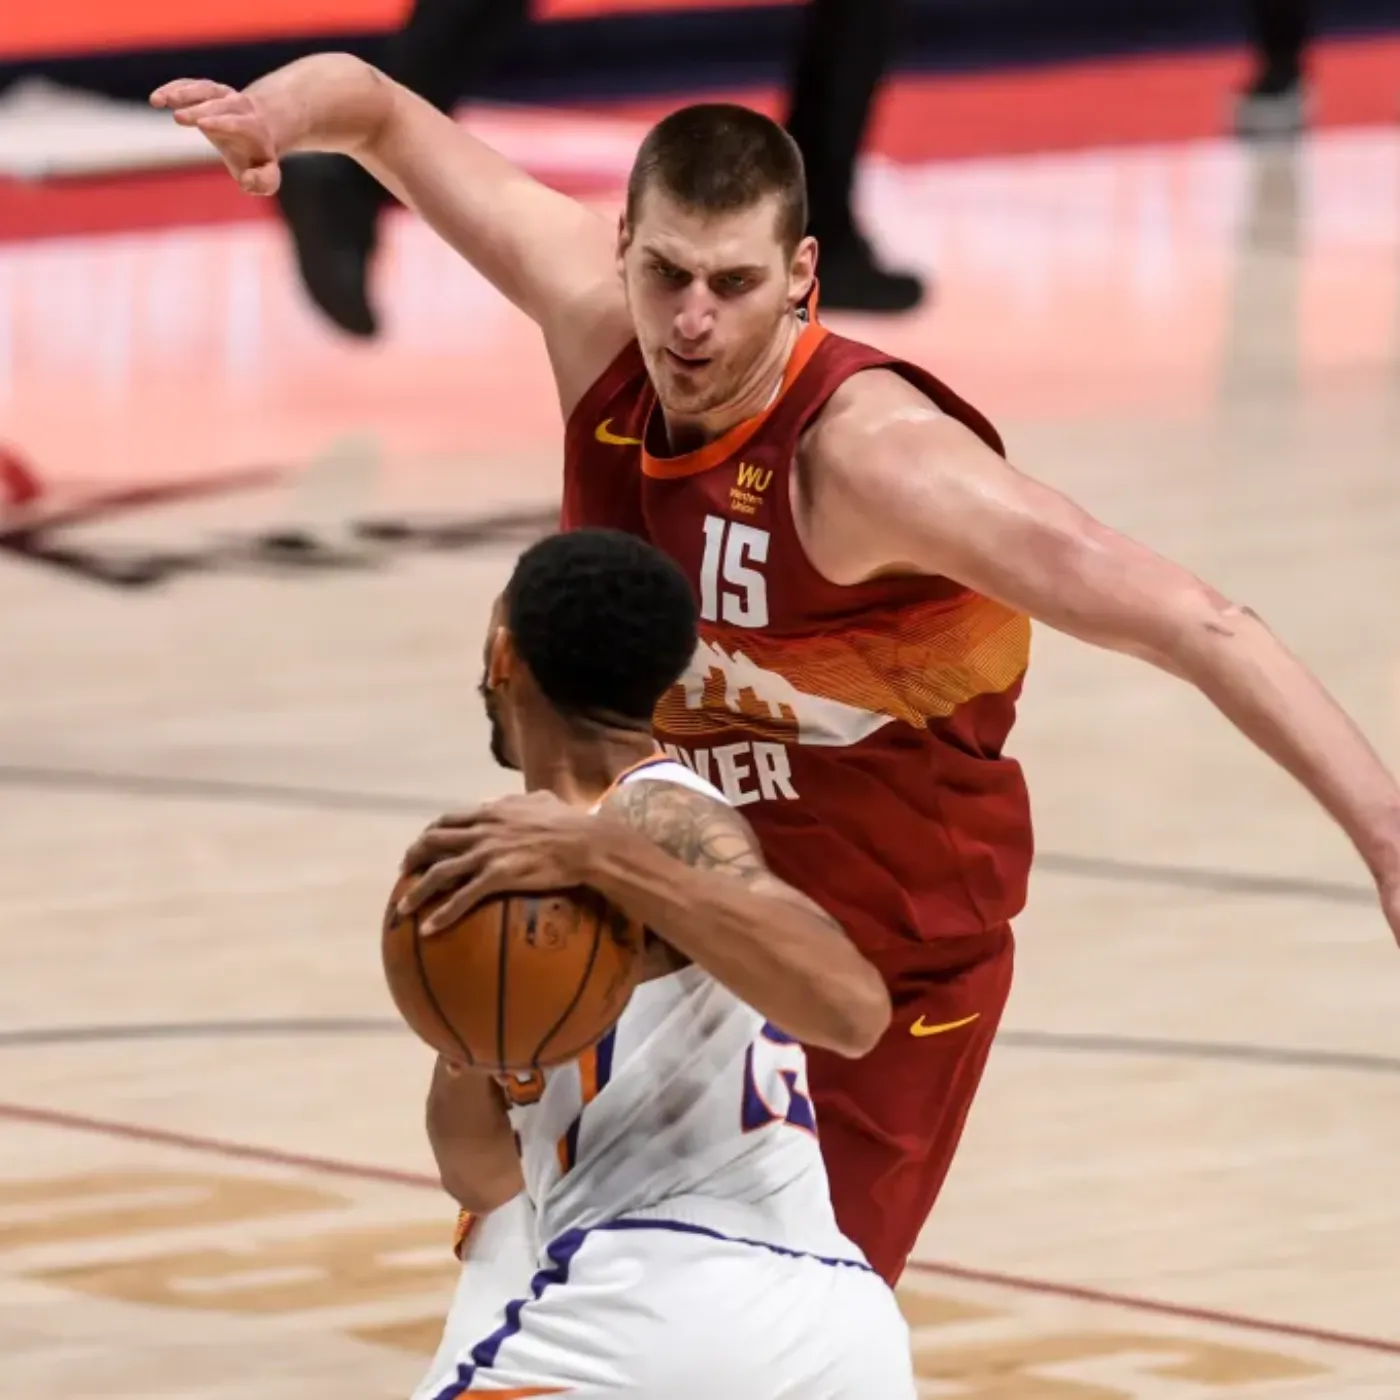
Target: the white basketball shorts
pixel 657 1311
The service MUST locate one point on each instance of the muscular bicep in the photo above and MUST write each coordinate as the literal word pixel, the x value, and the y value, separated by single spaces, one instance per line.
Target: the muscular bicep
pixel 703 833
pixel 930 497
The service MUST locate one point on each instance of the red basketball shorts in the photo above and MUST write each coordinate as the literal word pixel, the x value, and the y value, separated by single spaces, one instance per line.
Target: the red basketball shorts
pixel 890 1122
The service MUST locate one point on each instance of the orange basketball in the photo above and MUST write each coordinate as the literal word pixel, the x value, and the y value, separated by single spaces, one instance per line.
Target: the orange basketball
pixel 522 982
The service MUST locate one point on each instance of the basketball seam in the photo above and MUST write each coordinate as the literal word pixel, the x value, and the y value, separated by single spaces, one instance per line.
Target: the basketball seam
pixel 578 991
pixel 432 995
pixel 503 960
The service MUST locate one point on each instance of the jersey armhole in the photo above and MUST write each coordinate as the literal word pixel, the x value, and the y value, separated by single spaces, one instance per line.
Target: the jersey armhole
pixel 943 398
pixel 623 368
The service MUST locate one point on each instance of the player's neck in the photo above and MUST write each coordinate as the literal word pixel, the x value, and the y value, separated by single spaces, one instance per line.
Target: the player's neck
pixel 580 770
pixel 686 433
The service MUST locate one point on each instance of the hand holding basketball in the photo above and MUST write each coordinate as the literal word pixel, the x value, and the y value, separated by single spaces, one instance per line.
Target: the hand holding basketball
pixel 518 845
pixel 497 954
pixel 234 123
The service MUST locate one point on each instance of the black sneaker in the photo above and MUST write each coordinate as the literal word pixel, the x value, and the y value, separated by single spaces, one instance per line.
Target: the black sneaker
pixel 330 206
pixel 851 280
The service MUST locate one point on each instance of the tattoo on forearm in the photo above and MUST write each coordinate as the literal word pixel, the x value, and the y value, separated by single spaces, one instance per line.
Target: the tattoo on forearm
pixel 697 830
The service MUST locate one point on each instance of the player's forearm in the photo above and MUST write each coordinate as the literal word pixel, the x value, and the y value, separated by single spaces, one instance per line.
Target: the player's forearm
pixel 472 1141
pixel 1276 702
pixel 779 953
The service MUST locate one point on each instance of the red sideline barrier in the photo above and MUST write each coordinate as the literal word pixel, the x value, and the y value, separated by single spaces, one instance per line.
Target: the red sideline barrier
pixel 79 26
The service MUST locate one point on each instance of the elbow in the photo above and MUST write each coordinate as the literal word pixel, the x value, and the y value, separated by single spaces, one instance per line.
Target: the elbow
pixel 1205 622
pixel 481 1191
pixel 860 1016
pixel 381 110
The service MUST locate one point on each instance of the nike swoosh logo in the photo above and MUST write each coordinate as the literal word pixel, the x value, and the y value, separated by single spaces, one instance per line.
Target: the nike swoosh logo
pixel 920 1030
pixel 611 439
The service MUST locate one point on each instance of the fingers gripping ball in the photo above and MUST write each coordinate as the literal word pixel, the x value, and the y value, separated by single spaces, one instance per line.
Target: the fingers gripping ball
pixel 521 982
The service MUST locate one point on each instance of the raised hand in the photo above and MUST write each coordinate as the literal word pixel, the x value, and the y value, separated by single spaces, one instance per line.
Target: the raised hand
pixel 233 123
pixel 526 843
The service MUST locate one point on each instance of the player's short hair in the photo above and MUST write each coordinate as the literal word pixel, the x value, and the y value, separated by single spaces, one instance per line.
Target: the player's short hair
pixel 719 158
pixel 605 622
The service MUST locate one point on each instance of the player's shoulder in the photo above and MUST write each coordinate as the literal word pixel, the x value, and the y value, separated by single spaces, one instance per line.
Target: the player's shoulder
pixel 684 814
pixel 870 398
pixel 665 779
pixel 861 413
pixel 879 396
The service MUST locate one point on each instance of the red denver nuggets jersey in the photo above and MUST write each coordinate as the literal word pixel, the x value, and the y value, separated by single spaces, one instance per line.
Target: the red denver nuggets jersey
pixel 860 729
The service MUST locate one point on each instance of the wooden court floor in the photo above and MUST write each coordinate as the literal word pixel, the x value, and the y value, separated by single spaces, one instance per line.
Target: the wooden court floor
pixel 222 718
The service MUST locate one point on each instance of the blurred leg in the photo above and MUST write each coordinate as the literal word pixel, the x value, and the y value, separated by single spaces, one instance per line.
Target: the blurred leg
pixel 1279 29
pixel 331 205
pixel 842 55
pixel 1275 103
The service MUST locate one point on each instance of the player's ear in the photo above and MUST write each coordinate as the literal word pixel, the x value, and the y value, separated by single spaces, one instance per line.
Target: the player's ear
pixel 502 658
pixel 624 238
pixel 802 271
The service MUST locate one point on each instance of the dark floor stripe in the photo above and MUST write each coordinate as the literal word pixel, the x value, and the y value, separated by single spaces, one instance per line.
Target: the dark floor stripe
pixel 1053 1042
pixel 153 785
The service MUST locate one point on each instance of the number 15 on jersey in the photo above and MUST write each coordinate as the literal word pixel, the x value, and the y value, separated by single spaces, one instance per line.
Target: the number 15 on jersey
pixel 732 589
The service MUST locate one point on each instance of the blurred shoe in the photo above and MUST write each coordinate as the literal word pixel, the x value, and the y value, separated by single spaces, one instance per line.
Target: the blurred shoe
pixel 851 279
pixel 330 206
pixel 1272 107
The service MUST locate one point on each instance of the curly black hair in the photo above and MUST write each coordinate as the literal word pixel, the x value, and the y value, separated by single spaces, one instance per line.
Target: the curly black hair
pixel 605 622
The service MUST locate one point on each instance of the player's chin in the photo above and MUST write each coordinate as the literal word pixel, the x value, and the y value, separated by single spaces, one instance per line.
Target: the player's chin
pixel 691 377
pixel 692 392
pixel 500 752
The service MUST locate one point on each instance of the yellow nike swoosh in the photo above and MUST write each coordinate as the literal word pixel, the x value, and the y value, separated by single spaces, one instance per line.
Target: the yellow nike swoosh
pixel 603 435
pixel 919 1029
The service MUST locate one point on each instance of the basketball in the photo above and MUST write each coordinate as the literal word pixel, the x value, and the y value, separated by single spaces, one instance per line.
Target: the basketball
pixel 520 983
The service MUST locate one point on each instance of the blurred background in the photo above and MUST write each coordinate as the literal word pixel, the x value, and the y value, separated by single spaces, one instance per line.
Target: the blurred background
pixel 264 464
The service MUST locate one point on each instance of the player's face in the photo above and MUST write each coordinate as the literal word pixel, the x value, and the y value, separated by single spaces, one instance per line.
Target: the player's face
pixel 709 295
pixel 490 688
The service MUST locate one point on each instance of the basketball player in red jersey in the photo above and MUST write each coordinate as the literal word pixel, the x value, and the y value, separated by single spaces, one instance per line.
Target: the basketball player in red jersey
pixel 865 558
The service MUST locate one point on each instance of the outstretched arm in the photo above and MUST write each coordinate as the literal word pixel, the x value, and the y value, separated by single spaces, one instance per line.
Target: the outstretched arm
pixel 914 489
pixel 686 866
pixel 548 254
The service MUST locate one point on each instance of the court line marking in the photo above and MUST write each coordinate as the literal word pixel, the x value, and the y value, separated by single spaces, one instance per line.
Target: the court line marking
pixel 1053 1042
pixel 215 1147
pixel 332 1166
pixel 187 788
pixel 1159 1307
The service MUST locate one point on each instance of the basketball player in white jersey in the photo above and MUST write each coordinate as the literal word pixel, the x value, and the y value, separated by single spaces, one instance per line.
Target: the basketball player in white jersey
pixel 685 1245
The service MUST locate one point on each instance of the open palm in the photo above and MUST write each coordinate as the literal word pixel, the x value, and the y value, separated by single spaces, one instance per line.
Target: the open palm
pixel 232 124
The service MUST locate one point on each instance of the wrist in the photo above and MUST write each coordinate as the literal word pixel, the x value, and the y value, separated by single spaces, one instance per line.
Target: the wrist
pixel 604 857
pixel 324 102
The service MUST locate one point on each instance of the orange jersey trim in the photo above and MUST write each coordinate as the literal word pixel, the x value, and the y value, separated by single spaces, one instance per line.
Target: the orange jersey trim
pixel 461 1233
pixel 712 454
pixel 649 761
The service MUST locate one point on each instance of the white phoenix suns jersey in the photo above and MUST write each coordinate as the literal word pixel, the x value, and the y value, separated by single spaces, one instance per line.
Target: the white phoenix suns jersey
pixel 691 1110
